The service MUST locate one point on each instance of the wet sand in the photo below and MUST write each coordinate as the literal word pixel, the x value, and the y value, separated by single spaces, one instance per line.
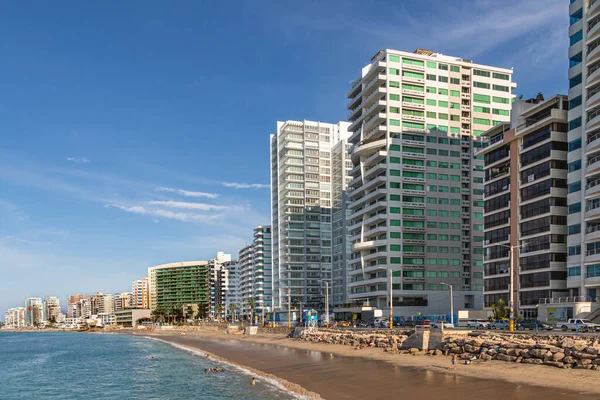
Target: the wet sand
pixel 320 368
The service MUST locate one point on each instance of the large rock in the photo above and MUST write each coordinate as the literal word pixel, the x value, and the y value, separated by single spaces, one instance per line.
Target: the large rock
pixel 592 350
pixel 532 361
pixel 538 353
pixel 569 360
pixel 584 356
pixel 579 345
pixel 558 356
pixel 554 363
pixel 504 357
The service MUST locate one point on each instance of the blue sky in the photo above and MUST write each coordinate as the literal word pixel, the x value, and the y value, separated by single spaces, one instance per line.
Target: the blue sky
pixel 136 133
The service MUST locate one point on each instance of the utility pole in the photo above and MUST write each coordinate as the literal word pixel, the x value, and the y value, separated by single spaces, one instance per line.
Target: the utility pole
pixel 289 307
pixel 391 302
pixel 451 304
pixel 511 253
pixel 327 302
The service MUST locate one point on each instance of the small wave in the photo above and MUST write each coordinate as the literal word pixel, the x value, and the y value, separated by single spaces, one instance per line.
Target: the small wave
pixel 271 381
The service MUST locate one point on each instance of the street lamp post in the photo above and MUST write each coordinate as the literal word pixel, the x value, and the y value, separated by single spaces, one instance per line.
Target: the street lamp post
pixel 511 293
pixel 326 301
pixel 391 301
pixel 451 304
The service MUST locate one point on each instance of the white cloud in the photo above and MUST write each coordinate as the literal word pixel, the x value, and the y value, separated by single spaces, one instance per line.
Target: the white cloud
pixel 187 193
pixel 236 185
pixel 78 160
pixel 179 216
pixel 190 206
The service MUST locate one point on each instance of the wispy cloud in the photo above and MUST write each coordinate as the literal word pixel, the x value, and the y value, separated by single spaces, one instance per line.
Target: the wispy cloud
pixel 179 216
pixel 236 185
pixel 191 206
pixel 187 193
pixel 78 160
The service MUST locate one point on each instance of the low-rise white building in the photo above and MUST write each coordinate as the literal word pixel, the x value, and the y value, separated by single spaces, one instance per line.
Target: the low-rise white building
pixel 15 318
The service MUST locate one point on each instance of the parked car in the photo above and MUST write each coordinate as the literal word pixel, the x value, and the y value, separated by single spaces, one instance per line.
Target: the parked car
pixel 376 323
pixel 501 324
pixel 447 325
pixel 579 324
pixel 407 324
pixel 533 324
pixel 478 324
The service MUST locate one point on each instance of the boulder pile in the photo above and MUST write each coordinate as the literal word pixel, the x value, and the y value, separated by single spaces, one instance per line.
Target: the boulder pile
pixel 556 351
pixel 380 339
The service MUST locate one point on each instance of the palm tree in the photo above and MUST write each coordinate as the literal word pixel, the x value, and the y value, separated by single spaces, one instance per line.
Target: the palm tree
pixel 251 304
pixel 232 308
pixel 499 310
pixel 219 309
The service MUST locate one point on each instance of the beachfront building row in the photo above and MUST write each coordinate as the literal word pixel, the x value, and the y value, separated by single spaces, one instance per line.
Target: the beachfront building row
pixel 526 205
pixel 301 211
pixel 256 274
pixel 416 194
pixel 139 293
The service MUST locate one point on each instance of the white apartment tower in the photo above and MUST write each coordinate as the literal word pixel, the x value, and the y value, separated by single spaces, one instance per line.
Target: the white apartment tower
pixel 301 197
pixel 255 272
pixel 341 164
pixel 34 313
pixel 583 179
pixel 416 193
pixel 140 293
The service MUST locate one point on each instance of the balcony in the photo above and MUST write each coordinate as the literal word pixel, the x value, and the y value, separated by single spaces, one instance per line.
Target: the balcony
pixel 366 150
pixel 367 198
pixel 593 166
pixel 354 102
pixel 376 132
pixel 370 208
pixel 368 245
pixel 374 159
pixel 377 95
pixel 593 53
pixel 592 232
pixel 593 120
pixel 594 9
pixel 354 114
pixel 374 121
pixel 592 213
pixel 413 92
pixel 416 106
pixel 592 189
pixel 593 76
pixel 592 257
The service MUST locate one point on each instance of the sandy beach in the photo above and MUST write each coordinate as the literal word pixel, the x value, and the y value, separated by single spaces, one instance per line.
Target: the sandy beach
pixel 340 372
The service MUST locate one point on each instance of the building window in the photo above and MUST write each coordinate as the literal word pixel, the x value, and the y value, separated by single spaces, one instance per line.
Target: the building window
pixel 575 165
pixel 576 80
pixel 576 37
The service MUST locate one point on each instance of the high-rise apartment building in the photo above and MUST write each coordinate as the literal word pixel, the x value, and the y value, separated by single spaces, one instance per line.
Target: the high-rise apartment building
pixel 34 311
pixel 15 318
pixel 179 284
pixel 122 301
pixel 225 275
pixel 341 164
pixel 526 205
pixel 255 272
pixel 72 302
pixel 583 180
pixel 416 193
pixel 301 200
pixel 139 293
pixel 52 311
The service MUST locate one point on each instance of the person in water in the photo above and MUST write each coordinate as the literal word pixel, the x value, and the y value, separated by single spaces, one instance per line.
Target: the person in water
pixel 253 381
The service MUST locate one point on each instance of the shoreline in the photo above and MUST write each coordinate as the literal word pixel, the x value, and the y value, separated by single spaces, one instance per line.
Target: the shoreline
pixel 278 382
pixel 577 382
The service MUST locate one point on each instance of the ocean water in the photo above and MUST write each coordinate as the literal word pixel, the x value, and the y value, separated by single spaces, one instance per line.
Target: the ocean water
pixel 64 366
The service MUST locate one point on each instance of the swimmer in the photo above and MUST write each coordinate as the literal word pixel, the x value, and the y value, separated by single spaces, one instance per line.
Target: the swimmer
pixel 253 382
pixel 205 370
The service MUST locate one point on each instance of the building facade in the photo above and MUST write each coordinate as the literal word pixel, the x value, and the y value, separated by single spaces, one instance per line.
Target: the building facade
pixel 15 318
pixel 416 193
pixel 122 301
pixel 256 274
pixel 341 165
pixel 139 293
pixel 34 311
pixel 301 198
pixel 72 302
pixel 583 241
pixel 179 284
pixel 526 205
pixel 52 311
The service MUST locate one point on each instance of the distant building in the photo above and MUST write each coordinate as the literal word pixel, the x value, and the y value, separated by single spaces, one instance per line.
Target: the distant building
pixel 15 318
pixel 34 311
pixel 52 309
pixel 139 293
pixel 130 317
pixel 72 304
pixel 177 284
pixel 122 301
pixel 256 280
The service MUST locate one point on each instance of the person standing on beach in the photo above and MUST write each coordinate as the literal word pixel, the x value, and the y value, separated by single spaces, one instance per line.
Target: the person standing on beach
pixel 453 361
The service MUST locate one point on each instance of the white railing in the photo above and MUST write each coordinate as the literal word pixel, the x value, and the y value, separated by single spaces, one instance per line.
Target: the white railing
pixel 570 299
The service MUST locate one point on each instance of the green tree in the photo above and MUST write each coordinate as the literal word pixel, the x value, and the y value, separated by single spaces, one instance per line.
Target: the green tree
pixel 499 310
pixel 252 305
pixel 232 308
